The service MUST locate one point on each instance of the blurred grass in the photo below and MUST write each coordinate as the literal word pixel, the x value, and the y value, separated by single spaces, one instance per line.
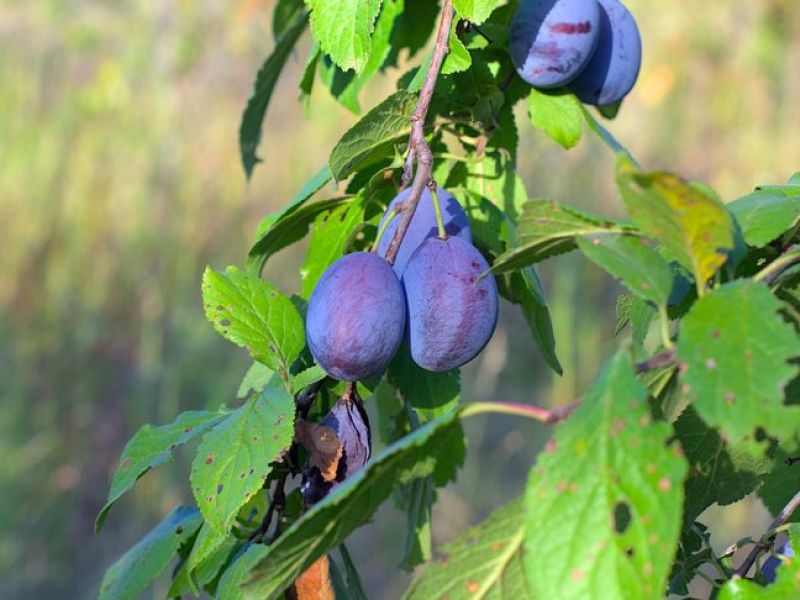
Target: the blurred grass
pixel 120 181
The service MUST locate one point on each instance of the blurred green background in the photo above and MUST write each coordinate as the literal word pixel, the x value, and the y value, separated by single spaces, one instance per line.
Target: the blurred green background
pixel 120 180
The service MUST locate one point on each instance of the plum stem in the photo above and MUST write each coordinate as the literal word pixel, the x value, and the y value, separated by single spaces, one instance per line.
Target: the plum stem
pixel 382 229
pixel 530 411
pixel 419 151
pixel 438 210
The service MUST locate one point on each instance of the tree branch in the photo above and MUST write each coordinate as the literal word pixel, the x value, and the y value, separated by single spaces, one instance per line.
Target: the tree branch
pixel 418 150
pixel 767 539
pixel 664 359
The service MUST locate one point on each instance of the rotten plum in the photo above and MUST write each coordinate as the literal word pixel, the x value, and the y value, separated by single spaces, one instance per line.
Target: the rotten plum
pixel 614 68
pixel 423 224
pixel 553 40
pixel 452 313
pixel 356 317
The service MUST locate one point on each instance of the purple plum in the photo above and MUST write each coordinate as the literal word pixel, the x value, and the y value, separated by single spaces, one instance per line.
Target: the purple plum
pixel 356 317
pixel 768 569
pixel 552 40
pixel 423 224
pixel 614 68
pixel 451 313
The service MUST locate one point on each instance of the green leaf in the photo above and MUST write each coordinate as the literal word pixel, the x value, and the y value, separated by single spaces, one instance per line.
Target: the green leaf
pixel 523 287
pixel 766 214
pixel 348 96
pixel 417 498
pixel 435 449
pixel 719 472
pixel 693 225
pixel 485 562
pixel 153 446
pixel 284 15
pixel 786 586
pixel 232 461
pixel 307 377
pixel 355 588
pixel 429 394
pixel 307 80
pixel 329 242
pixel 258 376
pixel 253 116
pixel 547 228
pixel 475 11
pixel 604 505
pixel 458 58
pixel 288 228
pixel 780 484
pixel 252 314
pixel 209 552
pixel 374 136
pixel 636 312
pixel 343 29
pixel 140 565
pixel 640 268
pixel 558 115
pixel 734 350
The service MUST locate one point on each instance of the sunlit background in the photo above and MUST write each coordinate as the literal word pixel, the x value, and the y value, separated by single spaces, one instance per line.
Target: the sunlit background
pixel 120 180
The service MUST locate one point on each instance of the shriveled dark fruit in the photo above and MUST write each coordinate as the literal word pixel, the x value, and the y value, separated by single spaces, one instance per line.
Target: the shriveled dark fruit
pixel 768 569
pixel 349 421
pixel 551 41
pixel 614 68
pixel 451 313
pixel 423 224
pixel 356 317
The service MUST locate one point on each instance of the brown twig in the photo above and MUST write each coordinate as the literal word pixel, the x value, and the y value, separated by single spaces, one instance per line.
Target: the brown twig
pixel 768 538
pixel 278 497
pixel 418 150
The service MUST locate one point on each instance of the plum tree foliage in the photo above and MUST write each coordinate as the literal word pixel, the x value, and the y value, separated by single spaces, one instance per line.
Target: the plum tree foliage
pixel 696 406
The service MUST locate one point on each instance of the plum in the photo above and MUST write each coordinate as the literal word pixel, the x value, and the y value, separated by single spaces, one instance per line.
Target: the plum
pixel 356 317
pixel 349 421
pixel 614 68
pixel 552 40
pixel 451 313
pixel 423 224
pixel 773 562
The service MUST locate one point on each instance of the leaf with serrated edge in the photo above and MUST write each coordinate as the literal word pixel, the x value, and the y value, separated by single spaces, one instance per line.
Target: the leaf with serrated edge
pixel 435 449
pixel 253 314
pixel 558 115
pixel 373 137
pixel 547 228
pixel 475 11
pixel 343 29
pixel 485 562
pixel 286 228
pixel 253 117
pixel 765 214
pixel 638 266
pixel 140 565
pixel 233 459
pixel 153 446
pixel 604 501
pixel 209 548
pixel 720 473
pixel 785 587
pixel 693 225
pixel 307 377
pixel 430 394
pixel 733 352
pixel 458 58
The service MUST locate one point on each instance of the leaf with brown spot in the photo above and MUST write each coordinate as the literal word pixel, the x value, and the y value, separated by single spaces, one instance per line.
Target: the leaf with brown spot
pixel 624 471
pixel 689 221
pixel 324 448
pixel 484 562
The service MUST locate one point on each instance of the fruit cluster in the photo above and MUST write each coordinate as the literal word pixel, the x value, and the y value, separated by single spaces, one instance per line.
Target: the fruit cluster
pixel 591 47
pixel 433 297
